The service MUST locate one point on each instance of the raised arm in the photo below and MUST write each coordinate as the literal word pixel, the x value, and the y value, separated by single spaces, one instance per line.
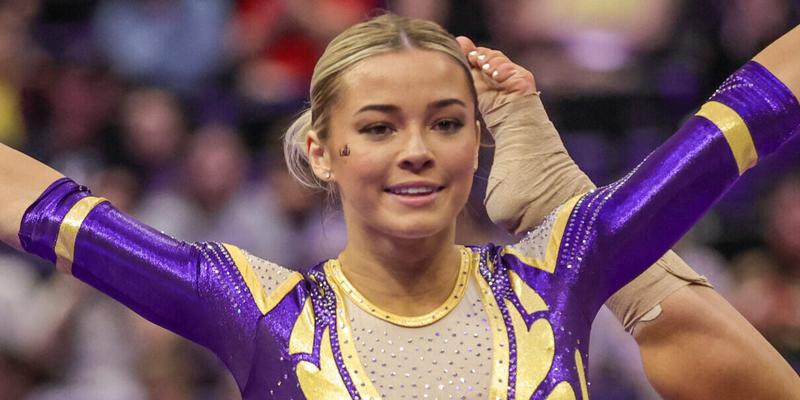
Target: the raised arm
pixel 532 174
pixel 627 225
pixel 701 338
pixel 195 290
pixel 699 346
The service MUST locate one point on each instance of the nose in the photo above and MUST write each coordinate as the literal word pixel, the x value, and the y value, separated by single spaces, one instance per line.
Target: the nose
pixel 416 155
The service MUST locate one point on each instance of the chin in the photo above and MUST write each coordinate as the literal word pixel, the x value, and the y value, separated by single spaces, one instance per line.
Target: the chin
pixel 418 228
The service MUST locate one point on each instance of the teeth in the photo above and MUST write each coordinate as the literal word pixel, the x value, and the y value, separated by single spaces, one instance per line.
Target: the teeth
pixel 413 190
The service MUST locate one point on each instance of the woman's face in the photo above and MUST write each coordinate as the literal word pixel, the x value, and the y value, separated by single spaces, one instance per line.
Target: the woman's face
pixel 407 119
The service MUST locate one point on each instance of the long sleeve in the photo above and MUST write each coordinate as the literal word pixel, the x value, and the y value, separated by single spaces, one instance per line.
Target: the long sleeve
pixel 194 290
pixel 615 232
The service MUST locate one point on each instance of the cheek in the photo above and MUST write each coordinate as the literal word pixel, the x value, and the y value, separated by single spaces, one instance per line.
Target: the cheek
pixel 360 170
pixel 461 160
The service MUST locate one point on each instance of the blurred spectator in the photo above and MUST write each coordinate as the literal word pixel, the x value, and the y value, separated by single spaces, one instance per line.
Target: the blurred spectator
pixel 276 44
pixel 584 46
pixel 176 43
pixel 749 25
pixel 266 217
pixel 15 58
pixel 769 276
pixel 211 174
pixel 79 103
pixel 306 218
pixel 460 17
pixel 153 134
pixel 35 317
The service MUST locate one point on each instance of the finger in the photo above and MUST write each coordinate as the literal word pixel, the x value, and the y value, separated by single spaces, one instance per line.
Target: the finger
pixel 466 44
pixel 469 49
pixel 485 55
pixel 490 62
pixel 504 72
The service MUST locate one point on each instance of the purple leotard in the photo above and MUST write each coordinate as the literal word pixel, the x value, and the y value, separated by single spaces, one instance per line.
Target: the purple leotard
pixel 537 298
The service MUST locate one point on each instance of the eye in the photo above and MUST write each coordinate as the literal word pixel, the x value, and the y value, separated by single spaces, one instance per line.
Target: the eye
pixel 379 129
pixel 448 125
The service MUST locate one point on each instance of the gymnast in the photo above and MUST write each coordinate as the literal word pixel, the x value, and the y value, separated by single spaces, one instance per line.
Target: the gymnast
pixel 404 311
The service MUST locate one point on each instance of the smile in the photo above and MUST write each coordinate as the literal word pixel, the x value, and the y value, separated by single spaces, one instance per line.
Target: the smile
pixel 415 194
pixel 413 189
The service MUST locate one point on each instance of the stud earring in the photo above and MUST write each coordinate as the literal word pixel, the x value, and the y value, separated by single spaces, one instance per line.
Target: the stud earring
pixel 327 175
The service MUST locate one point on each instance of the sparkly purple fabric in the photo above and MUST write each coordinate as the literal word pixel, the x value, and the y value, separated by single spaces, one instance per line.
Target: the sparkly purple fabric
pixel 615 232
pixel 612 235
pixel 769 109
pixel 272 375
pixel 565 313
pixel 194 290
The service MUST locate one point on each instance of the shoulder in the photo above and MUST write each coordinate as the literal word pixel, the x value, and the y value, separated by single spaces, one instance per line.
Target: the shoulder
pixel 267 282
pixel 539 247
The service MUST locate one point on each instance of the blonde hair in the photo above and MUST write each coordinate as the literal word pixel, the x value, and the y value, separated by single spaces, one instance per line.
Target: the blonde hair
pixel 383 34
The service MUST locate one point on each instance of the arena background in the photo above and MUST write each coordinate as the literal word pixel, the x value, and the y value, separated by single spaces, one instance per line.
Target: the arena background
pixel 174 110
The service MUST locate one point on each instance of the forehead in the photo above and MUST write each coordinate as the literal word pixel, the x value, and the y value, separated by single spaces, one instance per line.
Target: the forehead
pixel 401 77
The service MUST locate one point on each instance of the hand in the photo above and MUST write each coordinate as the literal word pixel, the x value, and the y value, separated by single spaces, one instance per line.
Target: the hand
pixel 497 79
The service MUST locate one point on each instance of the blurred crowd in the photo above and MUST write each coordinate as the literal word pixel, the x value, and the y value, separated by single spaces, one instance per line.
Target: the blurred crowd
pixel 174 110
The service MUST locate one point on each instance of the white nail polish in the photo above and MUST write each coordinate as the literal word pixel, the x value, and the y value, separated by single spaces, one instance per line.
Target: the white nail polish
pixel 473 53
pixel 482 57
pixel 486 67
pixel 494 74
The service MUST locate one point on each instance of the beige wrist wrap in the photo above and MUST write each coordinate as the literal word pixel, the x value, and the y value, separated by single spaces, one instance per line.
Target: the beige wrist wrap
pixel 528 146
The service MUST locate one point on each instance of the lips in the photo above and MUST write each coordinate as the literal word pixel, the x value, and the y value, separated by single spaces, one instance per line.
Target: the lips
pixel 415 194
pixel 414 189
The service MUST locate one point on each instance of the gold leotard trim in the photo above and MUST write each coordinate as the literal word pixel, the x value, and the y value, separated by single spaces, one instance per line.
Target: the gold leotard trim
pixel 68 231
pixel 735 131
pixel 347 345
pixel 264 301
pixel 334 269
pixel 553 242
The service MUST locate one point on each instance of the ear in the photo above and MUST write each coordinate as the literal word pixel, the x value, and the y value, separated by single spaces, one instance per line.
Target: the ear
pixel 477 143
pixel 318 156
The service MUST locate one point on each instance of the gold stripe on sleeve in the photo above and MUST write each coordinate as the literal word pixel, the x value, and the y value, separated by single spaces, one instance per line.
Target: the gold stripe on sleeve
pixel 68 231
pixel 735 131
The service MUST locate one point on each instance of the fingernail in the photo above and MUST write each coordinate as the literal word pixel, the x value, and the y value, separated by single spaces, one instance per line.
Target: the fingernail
pixel 473 53
pixel 482 57
pixel 486 67
pixel 494 74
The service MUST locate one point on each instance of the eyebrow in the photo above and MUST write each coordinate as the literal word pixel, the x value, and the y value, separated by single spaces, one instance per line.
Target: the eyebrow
pixel 390 108
pixel 446 102
pixel 385 108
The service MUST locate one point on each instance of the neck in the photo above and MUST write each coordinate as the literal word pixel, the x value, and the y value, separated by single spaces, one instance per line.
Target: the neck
pixel 407 277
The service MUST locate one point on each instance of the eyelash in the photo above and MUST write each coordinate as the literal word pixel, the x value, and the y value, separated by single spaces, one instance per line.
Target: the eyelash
pixel 372 129
pixel 454 125
pixel 382 129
